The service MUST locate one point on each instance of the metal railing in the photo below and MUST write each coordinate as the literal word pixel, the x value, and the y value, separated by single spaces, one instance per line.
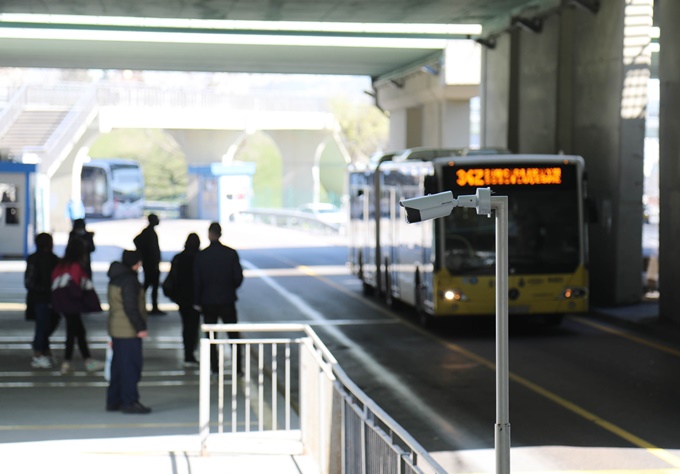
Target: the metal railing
pixel 294 384
pixel 293 218
pixel 12 110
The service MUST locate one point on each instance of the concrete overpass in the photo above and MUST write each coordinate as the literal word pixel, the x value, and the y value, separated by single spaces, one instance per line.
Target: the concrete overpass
pixel 208 126
pixel 556 75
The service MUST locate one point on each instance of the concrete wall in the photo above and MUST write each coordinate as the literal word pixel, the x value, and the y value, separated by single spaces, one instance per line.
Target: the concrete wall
pixel 574 87
pixel 669 161
pixel 431 107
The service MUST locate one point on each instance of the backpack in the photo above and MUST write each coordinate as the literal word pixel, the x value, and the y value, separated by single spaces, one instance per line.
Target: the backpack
pixel 169 285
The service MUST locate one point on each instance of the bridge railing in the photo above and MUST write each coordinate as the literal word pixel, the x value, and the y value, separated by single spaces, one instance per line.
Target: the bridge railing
pixel 141 95
pixel 12 110
pixel 68 131
pixel 292 385
pixel 295 219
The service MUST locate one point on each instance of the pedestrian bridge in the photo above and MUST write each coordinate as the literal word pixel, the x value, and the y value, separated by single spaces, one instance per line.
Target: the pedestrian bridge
pixel 54 125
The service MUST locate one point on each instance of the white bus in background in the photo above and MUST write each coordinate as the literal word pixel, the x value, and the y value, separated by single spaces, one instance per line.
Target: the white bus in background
pixel 112 188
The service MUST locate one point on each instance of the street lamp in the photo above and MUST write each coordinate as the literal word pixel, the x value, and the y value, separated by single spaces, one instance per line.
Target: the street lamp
pixel 434 206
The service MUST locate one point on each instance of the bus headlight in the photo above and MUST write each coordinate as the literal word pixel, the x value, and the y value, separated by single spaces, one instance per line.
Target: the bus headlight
pixel 570 293
pixel 452 295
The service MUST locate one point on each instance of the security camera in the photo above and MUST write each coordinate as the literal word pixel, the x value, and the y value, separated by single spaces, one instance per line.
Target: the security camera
pixel 427 207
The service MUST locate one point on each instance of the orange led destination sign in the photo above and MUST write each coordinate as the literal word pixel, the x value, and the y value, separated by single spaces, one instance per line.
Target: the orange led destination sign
pixel 508 176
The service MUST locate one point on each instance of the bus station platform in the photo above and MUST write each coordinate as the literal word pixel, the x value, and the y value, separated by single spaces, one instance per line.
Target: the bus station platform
pixel 55 422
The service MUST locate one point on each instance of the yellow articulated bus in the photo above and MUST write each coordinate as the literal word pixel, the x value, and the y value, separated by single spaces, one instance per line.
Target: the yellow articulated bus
pixel 446 267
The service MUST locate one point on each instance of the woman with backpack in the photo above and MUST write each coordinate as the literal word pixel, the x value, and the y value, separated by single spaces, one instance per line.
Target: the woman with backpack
pixel 73 294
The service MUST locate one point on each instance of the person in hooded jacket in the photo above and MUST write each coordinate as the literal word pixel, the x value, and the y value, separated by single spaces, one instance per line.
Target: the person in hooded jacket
pixel 127 328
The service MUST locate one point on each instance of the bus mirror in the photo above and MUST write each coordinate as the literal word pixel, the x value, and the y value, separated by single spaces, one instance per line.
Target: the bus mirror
pixel 428 207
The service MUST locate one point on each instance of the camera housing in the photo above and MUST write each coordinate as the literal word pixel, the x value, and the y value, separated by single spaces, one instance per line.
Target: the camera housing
pixel 432 206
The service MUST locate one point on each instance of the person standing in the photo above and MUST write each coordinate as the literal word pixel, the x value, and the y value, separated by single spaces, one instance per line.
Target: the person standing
pixel 182 274
pixel 217 276
pixel 73 294
pixel 38 282
pixel 127 328
pixel 80 232
pixel 148 248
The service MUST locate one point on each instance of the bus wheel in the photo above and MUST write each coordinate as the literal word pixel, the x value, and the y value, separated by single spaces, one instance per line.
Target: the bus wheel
pixel 552 320
pixel 390 300
pixel 424 318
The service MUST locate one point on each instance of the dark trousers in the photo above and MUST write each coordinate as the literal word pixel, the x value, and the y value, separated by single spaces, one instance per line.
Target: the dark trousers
pixel 75 332
pixel 191 320
pixel 46 321
pixel 226 313
pixel 152 278
pixel 126 372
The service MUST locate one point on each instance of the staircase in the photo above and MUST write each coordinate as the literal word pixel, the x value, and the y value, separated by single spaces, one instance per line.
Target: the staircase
pixel 31 128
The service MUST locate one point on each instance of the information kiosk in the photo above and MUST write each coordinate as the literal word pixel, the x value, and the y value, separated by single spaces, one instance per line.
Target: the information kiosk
pixel 17 209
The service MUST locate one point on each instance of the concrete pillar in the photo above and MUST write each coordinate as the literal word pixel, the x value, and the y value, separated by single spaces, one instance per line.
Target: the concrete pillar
pixel 669 160
pixel 495 94
pixel 202 147
pixel 579 86
pixel 300 152
pixel 611 68
pixel 431 106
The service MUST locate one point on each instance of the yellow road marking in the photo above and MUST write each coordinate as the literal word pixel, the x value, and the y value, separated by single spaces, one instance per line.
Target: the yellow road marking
pixel 618 332
pixel 660 453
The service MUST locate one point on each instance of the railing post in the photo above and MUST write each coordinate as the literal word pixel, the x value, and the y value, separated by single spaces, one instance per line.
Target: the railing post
pixel 204 394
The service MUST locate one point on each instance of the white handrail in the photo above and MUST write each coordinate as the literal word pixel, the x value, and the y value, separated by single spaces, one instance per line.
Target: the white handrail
pixel 320 416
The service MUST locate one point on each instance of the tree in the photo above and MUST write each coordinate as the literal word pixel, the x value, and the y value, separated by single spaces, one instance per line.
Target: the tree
pixel 364 129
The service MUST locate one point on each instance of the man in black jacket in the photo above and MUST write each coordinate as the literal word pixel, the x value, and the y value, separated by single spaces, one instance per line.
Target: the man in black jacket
pixel 217 276
pixel 147 246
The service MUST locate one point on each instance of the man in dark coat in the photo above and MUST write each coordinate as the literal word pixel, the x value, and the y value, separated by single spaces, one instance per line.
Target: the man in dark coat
pixel 182 273
pixel 217 276
pixel 80 232
pixel 147 246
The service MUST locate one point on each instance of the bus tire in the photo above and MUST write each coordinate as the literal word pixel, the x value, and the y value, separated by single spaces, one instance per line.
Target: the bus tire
pixel 424 319
pixel 390 300
pixel 552 320
pixel 366 289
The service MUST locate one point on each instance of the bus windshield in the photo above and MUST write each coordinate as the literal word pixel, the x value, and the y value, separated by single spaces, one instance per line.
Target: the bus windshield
pixel 543 228
pixel 127 183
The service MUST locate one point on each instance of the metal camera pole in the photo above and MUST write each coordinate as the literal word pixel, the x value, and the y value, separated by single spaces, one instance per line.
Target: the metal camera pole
pixel 440 205
pixel 502 434
pixel 484 202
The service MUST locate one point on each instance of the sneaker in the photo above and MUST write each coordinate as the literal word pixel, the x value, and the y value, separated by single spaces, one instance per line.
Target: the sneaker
pixel 157 312
pixel 193 363
pixel 112 407
pixel 66 368
pixel 41 362
pixel 93 365
pixel 136 409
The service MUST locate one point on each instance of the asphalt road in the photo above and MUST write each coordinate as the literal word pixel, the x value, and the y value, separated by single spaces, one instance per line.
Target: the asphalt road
pixel 586 396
